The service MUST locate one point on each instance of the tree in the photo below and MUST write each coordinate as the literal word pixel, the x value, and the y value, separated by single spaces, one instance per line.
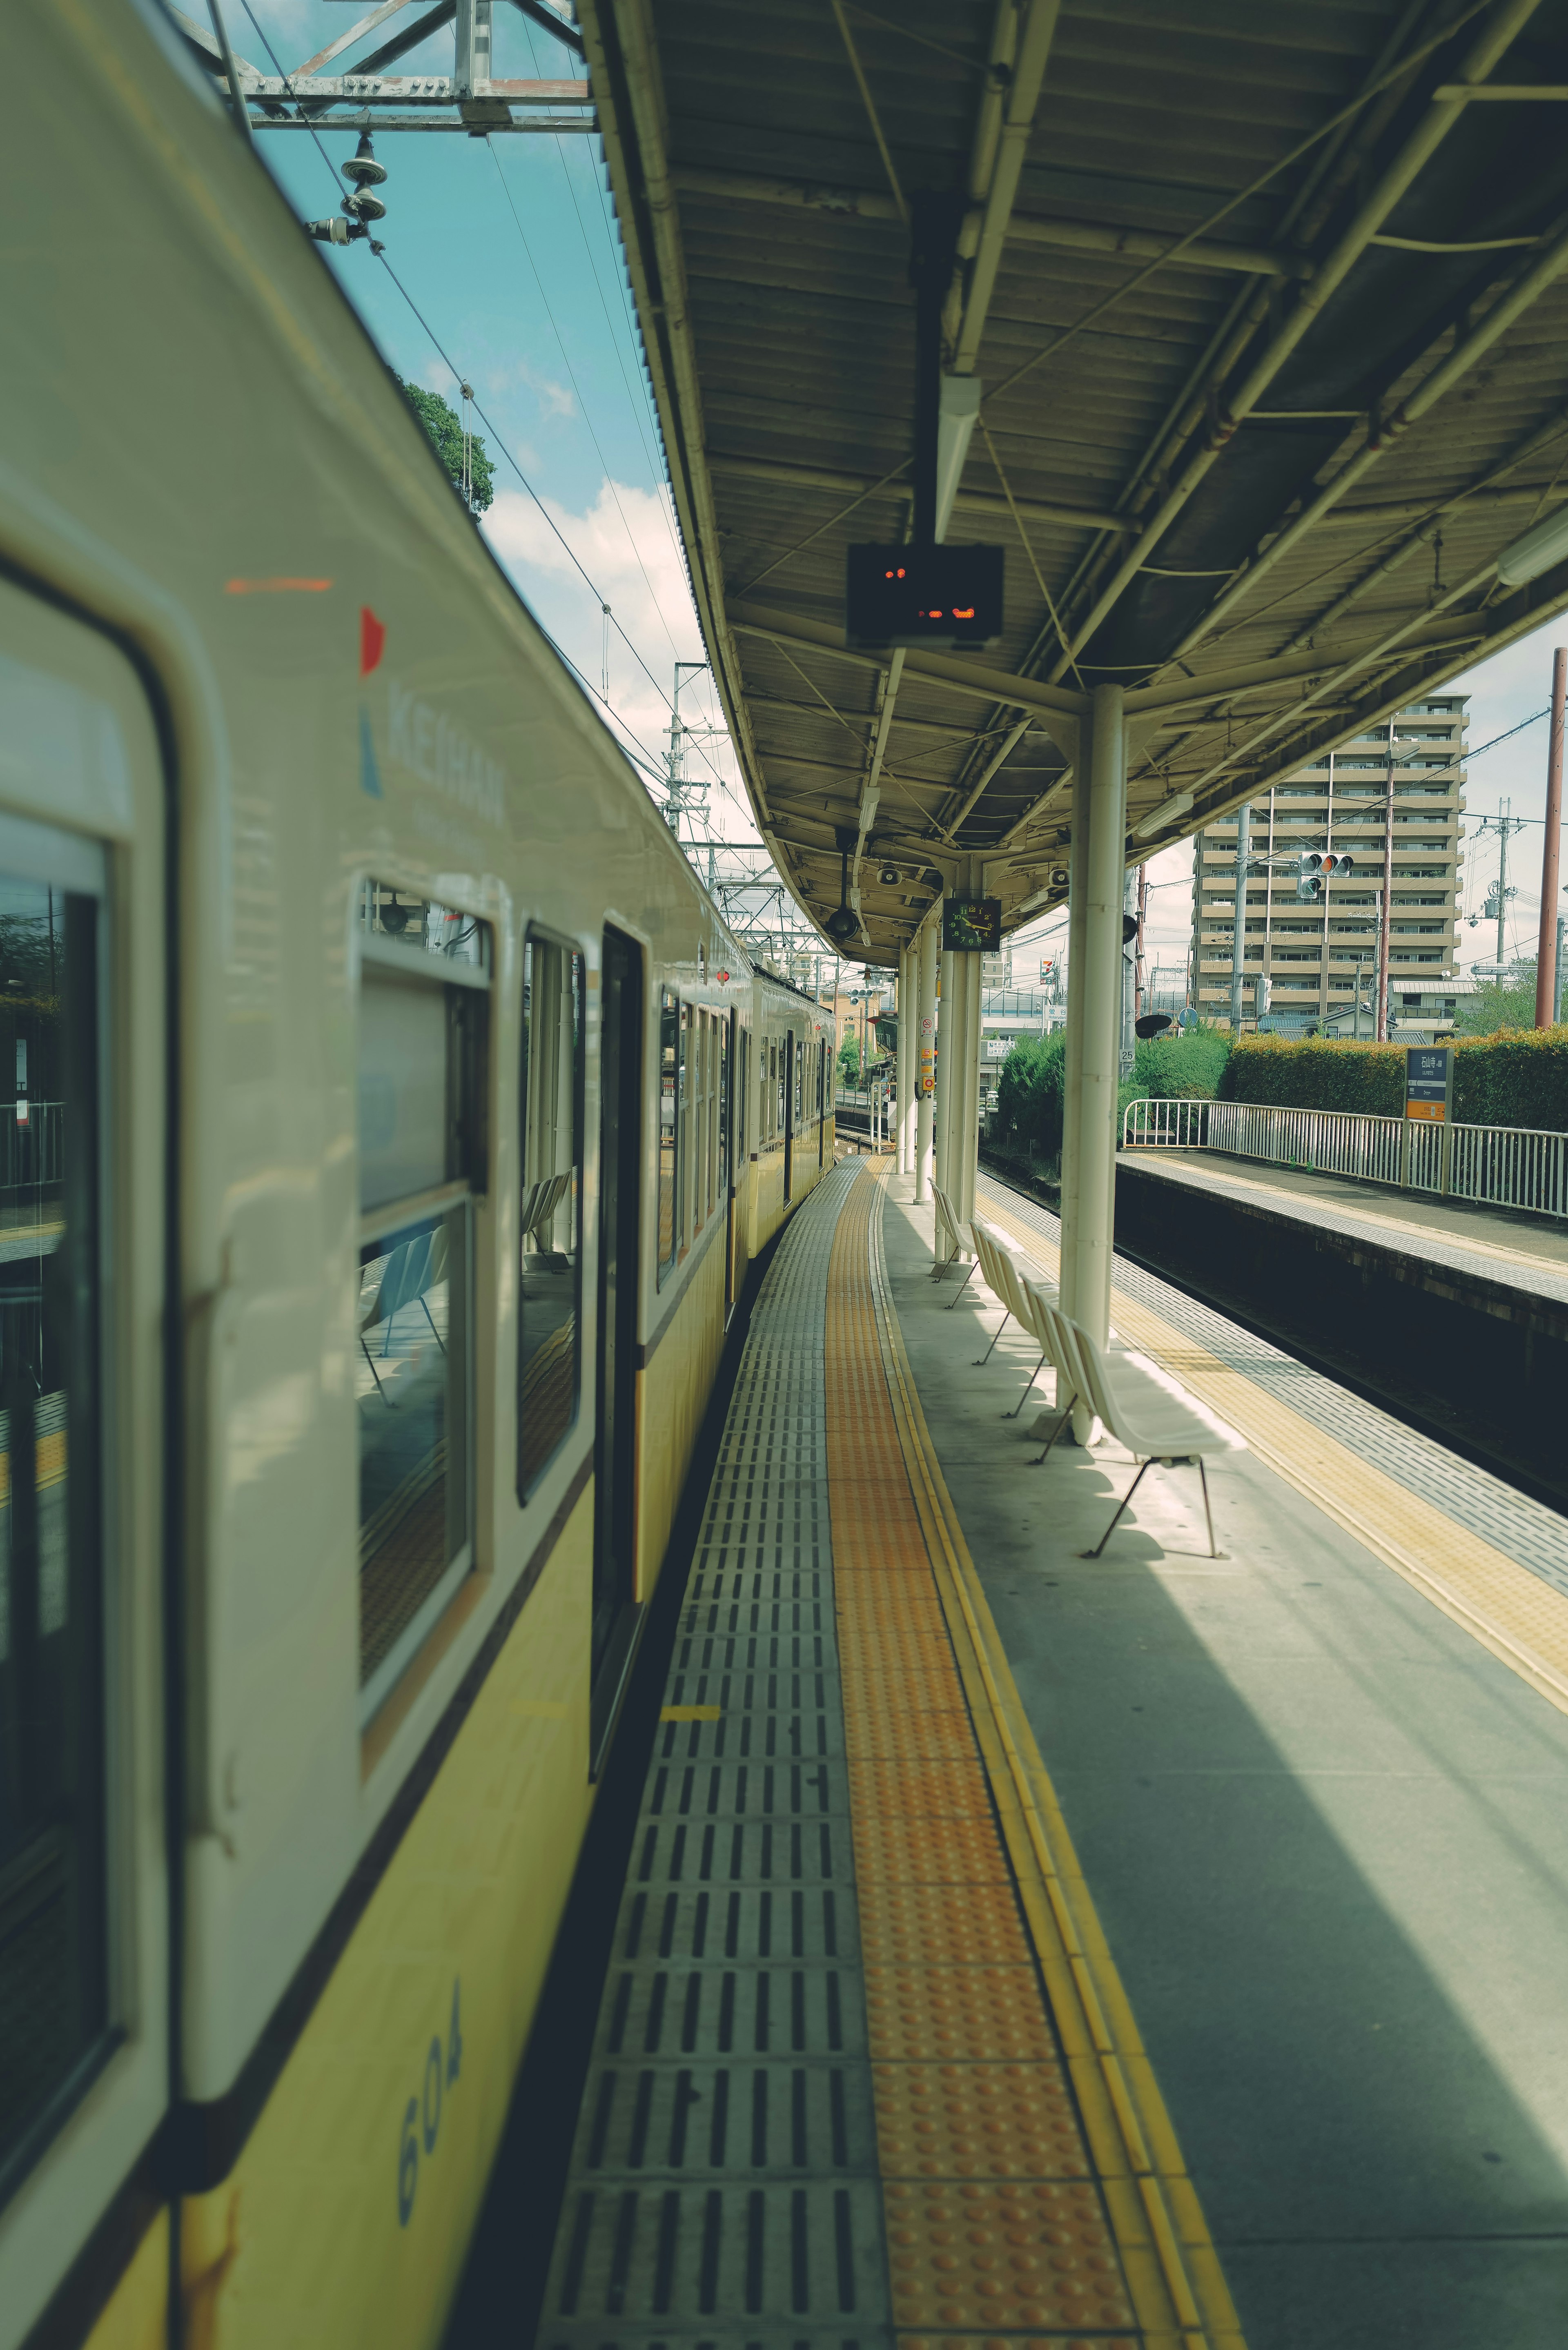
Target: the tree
pixel 849 1058
pixel 445 428
pixel 1505 1002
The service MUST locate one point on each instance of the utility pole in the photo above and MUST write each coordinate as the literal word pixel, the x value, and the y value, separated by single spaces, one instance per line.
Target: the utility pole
pixel 1142 919
pixel 1380 1026
pixel 1239 923
pixel 1551 929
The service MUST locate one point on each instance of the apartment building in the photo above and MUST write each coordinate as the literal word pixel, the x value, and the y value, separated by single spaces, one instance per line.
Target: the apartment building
pixel 1318 959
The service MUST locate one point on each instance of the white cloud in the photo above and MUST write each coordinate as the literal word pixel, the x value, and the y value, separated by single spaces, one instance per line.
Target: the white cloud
pixel 627 544
pixel 555 399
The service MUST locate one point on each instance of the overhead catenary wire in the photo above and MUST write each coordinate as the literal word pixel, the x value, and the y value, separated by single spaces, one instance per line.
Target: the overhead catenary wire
pixel 647 760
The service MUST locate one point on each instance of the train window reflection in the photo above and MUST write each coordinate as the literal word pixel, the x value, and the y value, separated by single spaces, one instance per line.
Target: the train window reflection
pixel 421 1076
pixel 550 1272
pixel 53 1974
pixel 669 1131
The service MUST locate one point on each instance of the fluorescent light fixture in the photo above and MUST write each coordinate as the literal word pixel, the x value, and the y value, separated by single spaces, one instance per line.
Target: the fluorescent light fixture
pixel 1166 813
pixel 956 420
pixel 1536 552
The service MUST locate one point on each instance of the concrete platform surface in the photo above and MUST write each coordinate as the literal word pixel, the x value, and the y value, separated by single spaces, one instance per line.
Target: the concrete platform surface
pixel 1327 1831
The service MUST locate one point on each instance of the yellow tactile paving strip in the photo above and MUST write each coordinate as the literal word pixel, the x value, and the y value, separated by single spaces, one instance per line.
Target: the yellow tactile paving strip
pixel 1034 2190
pixel 1522 1619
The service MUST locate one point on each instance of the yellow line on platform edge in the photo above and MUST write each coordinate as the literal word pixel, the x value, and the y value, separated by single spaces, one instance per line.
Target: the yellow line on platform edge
pixel 1151 2202
pixel 1506 1608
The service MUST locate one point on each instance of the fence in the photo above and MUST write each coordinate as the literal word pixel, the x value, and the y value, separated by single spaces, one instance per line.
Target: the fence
pixel 1504 1166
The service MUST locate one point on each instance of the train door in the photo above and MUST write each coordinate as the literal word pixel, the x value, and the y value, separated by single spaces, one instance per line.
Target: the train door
pixel 789 1114
pixel 821 1103
pixel 727 1150
pixel 614 1465
pixel 84 2009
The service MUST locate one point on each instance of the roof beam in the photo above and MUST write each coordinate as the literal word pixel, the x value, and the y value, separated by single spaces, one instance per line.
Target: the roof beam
pixel 940 669
pixel 893 485
pixel 1036 23
pixel 1023 228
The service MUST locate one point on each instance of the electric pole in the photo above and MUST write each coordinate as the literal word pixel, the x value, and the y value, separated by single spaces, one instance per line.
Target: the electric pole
pixel 1546 940
pixel 1239 927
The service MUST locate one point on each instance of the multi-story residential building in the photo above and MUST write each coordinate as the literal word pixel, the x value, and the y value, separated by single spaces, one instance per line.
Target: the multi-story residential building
pixel 1319 958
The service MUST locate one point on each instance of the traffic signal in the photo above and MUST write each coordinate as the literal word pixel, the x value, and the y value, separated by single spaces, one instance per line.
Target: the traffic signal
pixel 1315 867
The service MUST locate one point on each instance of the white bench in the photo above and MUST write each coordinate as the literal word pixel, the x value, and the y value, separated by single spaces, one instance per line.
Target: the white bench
pixel 1157 1420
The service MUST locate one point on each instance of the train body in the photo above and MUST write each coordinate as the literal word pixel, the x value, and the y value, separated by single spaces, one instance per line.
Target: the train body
pixel 395 1123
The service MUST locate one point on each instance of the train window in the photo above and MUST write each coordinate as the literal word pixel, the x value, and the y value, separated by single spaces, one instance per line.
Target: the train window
pixel 669 1131
pixel 54 2006
pixel 723 1112
pixel 697 1122
pixel 549 1321
pixel 421 1059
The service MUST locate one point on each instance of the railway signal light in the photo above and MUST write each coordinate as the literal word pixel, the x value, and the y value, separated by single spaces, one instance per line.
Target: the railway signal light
pixel 1315 867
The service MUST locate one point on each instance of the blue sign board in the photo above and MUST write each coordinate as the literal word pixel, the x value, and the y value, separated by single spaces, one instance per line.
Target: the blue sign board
pixel 1430 1082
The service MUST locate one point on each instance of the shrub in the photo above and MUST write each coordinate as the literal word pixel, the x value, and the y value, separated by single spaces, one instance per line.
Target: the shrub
pixel 1187 1064
pixel 1517 1077
pixel 1029 1095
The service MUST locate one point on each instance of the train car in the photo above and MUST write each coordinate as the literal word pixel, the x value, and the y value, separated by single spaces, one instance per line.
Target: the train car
pixel 394 1124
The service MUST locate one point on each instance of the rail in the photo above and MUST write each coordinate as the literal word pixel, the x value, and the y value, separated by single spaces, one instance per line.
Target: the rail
pixel 1520 1167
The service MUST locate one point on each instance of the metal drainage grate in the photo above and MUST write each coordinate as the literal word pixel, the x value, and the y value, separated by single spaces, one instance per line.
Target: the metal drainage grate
pixel 723 2191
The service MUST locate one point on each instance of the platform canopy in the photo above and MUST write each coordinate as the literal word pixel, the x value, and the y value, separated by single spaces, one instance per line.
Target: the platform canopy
pixel 1267 305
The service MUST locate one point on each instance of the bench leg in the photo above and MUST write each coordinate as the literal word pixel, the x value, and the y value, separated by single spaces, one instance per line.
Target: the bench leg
pixel 1110 1530
pixel 375 1374
pixel 1067 1414
pixel 1207 1512
pixel 1024 1397
pixel 962 1287
pixel 1000 1327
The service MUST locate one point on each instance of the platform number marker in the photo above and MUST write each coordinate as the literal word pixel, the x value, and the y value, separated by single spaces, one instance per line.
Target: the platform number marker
pixel 421 2115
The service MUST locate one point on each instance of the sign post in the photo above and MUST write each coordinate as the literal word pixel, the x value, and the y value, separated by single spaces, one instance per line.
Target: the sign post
pixel 1430 1101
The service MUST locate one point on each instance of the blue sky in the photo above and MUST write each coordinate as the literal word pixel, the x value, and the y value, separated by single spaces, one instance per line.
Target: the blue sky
pixel 509 249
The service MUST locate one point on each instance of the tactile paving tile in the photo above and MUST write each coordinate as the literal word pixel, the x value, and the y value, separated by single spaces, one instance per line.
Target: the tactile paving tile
pixel 941 1925
pixel 918 1789
pixel 984 2013
pixel 1523 1530
pixel 1011 2256
pixel 895 1851
pixel 978 2121
pixel 876 1729
pixel 724 2179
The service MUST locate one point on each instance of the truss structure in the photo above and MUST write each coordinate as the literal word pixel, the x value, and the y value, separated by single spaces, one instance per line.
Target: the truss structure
pixel 323 94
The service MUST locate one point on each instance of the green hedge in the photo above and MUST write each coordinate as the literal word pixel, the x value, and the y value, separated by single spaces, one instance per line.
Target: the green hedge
pixel 1029 1095
pixel 1518 1078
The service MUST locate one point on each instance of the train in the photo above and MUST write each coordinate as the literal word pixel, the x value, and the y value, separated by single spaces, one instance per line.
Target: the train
pixel 395 1125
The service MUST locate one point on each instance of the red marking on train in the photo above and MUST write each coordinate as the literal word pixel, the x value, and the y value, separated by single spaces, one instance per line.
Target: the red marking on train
pixel 372 640
pixel 275 587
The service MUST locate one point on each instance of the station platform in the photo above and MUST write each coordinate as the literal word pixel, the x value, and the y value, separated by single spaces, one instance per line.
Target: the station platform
pixel 1520 1251
pixel 1454 1315
pixel 1023 1949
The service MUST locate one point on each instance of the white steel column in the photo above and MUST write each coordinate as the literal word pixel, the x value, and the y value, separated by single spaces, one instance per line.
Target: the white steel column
pixel 1097 981
pixel 925 1053
pixel 964 1159
pixel 950 1079
pixel 1073 1027
pixel 907 1017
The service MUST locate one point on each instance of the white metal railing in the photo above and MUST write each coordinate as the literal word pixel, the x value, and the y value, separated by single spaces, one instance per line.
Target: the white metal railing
pixel 1503 1166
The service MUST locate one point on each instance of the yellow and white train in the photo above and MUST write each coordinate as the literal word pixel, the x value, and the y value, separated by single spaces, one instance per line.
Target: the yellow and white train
pixel 394 1121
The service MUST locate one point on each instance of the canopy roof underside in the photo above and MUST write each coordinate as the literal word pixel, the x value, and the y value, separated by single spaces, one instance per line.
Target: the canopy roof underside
pixel 1260 481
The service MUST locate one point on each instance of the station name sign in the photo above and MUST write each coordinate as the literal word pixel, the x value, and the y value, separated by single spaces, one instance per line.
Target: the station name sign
pixel 1429 1083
